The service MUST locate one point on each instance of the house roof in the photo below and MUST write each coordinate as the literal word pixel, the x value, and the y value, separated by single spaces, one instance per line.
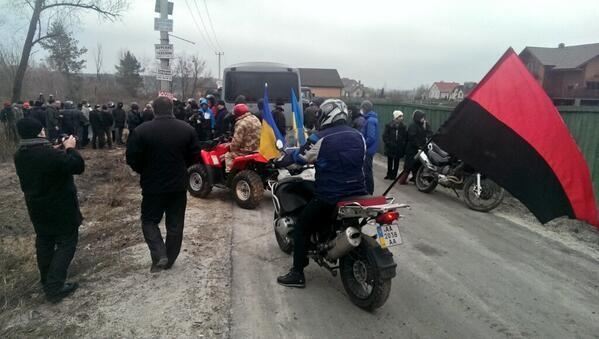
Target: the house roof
pixel 566 57
pixel 446 87
pixel 320 77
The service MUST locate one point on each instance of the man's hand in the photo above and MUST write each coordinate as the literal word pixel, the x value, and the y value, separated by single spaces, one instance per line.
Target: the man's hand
pixel 69 142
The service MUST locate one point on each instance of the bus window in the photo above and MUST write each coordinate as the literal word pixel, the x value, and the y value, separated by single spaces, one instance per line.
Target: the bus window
pixel 251 85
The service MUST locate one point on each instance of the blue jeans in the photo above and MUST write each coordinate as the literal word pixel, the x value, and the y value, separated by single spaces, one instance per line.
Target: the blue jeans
pixel 368 174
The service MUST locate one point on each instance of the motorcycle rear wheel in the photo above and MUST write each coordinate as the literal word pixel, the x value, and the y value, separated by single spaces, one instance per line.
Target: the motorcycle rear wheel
pixel 425 181
pixel 491 197
pixel 285 243
pixel 361 280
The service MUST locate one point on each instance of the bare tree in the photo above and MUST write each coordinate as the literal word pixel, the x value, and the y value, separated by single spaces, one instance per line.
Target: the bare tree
pixel 106 9
pixel 98 60
pixel 197 71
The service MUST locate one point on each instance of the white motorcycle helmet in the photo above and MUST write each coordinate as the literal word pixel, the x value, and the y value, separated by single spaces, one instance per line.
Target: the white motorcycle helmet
pixel 331 111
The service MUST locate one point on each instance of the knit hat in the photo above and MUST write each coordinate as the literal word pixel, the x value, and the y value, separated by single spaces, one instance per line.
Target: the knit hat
pixel 29 128
pixel 240 109
pixel 397 114
pixel 366 106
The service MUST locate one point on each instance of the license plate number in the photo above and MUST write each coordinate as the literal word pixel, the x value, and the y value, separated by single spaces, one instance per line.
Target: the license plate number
pixel 388 235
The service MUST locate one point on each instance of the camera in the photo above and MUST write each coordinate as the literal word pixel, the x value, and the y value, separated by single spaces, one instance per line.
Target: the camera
pixel 59 140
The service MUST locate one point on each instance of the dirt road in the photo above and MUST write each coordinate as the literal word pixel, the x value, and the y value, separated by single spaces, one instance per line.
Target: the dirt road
pixel 461 274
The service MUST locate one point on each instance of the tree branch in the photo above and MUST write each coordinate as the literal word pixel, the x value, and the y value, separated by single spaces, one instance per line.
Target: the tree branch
pixel 40 39
pixel 106 13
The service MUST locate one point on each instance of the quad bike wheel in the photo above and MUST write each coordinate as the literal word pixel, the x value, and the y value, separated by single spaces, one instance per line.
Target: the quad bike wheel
pixel 198 184
pixel 248 189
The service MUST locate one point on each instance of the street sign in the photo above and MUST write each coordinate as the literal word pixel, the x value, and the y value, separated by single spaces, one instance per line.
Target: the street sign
pixel 165 51
pixel 166 94
pixel 163 25
pixel 164 75
pixel 157 7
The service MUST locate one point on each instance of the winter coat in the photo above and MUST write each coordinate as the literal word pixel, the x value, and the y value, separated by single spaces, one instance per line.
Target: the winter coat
pixel 39 113
pixel 370 131
pixel 147 115
pixel 7 115
pixel 46 177
pixel 120 117
pixel 279 117
pixel 358 122
pixel 310 117
pixel 395 137
pixel 134 119
pixel 71 121
pixel 161 150
pixel 107 119
pixel 246 138
pixel 417 135
pixel 338 155
pixel 96 121
pixel 224 123
pixel 52 118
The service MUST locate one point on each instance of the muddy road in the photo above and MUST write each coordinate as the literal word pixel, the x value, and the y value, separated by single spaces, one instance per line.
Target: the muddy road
pixel 460 274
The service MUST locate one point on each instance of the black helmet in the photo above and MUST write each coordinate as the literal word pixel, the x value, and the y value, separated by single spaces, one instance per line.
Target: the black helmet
pixel 119 105
pixel 134 105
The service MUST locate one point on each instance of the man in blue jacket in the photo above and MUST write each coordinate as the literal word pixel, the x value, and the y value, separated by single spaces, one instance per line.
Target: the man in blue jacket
pixel 370 131
pixel 337 152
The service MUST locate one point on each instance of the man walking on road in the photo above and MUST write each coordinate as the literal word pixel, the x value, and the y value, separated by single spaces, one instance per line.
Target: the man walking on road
pixel 161 150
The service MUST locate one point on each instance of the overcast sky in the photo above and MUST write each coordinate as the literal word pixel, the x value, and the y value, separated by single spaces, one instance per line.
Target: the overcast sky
pixel 396 44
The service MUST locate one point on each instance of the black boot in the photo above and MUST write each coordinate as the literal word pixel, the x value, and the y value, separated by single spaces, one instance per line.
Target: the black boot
pixel 292 279
pixel 66 290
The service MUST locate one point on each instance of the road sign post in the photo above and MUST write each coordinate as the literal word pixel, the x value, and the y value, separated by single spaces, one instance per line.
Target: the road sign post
pixel 164 51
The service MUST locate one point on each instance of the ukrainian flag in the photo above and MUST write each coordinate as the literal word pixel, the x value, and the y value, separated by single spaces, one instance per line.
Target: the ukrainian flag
pixel 298 120
pixel 270 134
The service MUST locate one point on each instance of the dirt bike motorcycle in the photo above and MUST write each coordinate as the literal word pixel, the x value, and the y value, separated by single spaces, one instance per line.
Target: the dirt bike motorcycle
pixel 247 180
pixel 440 168
pixel 365 264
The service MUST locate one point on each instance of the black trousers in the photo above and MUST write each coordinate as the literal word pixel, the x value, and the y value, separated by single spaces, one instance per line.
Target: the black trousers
pixel 98 138
pixel 153 208
pixel 108 135
pixel 316 214
pixel 117 135
pixel 392 166
pixel 369 176
pixel 54 255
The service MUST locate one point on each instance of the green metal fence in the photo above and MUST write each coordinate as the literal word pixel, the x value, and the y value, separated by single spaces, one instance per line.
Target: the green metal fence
pixel 583 123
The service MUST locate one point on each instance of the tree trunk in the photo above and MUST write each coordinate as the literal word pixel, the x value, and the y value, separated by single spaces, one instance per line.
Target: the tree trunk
pixel 18 83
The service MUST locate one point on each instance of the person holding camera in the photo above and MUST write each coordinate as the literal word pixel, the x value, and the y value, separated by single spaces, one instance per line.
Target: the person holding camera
pixel 46 176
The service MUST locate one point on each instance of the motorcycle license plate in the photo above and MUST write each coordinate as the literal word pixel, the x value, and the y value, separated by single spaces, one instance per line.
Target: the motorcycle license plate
pixel 388 235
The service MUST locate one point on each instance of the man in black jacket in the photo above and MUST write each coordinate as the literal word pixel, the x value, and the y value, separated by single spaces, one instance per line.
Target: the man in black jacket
pixel 394 137
pixel 161 150
pixel 418 132
pixel 107 123
pixel 46 177
pixel 95 119
pixel 134 117
pixel 120 116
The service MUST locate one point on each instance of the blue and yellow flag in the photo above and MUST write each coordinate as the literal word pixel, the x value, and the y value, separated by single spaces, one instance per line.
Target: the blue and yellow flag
pixel 298 120
pixel 270 133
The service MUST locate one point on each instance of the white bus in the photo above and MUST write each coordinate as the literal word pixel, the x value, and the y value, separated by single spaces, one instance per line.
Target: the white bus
pixel 248 79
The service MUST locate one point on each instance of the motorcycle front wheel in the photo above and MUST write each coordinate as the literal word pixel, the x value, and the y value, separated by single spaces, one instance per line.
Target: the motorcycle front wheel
pixel 362 282
pixel 490 197
pixel 426 181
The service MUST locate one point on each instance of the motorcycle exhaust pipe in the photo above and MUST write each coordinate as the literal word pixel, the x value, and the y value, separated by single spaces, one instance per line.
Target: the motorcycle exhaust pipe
pixel 344 243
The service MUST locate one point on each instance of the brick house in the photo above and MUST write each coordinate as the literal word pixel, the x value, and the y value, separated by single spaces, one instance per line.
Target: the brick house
pixel 323 82
pixel 569 74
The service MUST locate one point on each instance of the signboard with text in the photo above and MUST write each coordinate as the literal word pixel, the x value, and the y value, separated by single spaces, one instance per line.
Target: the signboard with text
pixel 164 75
pixel 163 25
pixel 157 7
pixel 164 51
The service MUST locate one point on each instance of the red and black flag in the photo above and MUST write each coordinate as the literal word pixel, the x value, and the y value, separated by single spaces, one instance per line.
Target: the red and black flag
pixel 509 130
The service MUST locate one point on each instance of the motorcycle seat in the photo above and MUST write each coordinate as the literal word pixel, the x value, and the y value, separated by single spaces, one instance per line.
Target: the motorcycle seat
pixel 364 200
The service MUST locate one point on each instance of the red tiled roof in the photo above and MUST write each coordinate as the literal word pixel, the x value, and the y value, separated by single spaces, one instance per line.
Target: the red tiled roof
pixel 446 87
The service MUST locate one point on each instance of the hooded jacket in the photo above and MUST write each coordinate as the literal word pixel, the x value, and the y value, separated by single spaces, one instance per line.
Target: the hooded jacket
pixel 417 134
pixel 246 138
pixel 370 131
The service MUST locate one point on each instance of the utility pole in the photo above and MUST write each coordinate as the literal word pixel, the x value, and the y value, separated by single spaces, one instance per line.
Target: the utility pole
pixel 219 54
pixel 164 51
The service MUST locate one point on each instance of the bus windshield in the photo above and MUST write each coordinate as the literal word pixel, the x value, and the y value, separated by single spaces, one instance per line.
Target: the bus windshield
pixel 251 85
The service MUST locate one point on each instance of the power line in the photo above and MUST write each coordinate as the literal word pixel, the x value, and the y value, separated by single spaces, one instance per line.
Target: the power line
pixel 206 40
pixel 204 25
pixel 212 26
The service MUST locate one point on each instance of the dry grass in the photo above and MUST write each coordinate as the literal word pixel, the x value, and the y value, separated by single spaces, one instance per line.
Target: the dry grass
pixel 7 147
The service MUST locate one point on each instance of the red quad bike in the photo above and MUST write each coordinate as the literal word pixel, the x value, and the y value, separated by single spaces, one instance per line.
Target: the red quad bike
pixel 247 180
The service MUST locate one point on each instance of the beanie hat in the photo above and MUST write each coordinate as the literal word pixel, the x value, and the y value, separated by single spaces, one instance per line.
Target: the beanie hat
pixel 26 105
pixel 397 114
pixel 240 109
pixel 29 128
